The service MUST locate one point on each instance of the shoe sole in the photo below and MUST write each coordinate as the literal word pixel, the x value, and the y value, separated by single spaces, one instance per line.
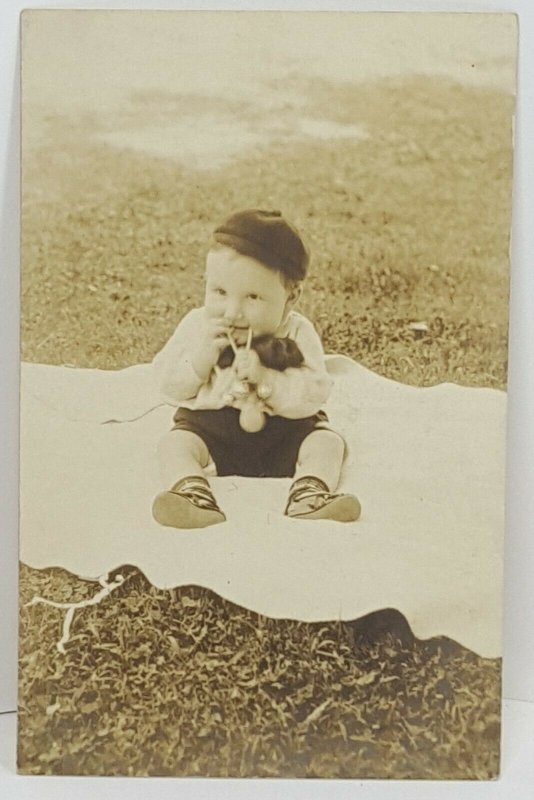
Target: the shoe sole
pixel 342 509
pixel 175 511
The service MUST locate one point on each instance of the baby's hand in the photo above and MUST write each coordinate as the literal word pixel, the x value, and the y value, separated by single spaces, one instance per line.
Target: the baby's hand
pixel 209 346
pixel 248 366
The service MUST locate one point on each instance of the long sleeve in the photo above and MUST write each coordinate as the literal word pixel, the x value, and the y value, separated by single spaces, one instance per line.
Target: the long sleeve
pixel 172 366
pixel 301 391
pixel 295 393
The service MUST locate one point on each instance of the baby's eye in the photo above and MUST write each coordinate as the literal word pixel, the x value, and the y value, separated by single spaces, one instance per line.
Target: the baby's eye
pixel 253 296
pixel 219 291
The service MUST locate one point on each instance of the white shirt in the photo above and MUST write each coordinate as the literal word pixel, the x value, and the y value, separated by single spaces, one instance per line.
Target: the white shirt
pixel 295 393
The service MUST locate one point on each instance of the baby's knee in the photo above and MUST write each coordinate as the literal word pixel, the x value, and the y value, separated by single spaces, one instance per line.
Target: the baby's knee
pixel 326 441
pixel 330 438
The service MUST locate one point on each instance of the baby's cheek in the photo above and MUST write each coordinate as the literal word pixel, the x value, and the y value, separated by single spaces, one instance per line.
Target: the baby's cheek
pixel 270 318
pixel 212 309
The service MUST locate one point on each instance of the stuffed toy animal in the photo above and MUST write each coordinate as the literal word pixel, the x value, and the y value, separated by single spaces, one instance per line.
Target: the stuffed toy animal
pixel 274 353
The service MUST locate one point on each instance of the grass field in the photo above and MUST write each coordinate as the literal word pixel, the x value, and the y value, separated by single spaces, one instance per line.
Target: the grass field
pixel 408 225
pixel 184 683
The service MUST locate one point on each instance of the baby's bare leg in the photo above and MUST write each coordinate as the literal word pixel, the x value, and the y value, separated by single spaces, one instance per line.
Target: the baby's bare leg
pixel 181 454
pixel 187 501
pixel 321 455
pixel 312 493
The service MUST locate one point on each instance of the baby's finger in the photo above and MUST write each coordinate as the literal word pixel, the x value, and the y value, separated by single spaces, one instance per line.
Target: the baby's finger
pixel 218 326
pixel 216 335
pixel 220 342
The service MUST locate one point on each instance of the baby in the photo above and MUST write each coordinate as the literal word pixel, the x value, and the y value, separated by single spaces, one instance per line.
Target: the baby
pixel 254 274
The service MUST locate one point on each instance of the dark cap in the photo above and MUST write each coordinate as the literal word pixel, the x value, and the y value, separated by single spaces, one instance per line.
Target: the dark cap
pixel 267 237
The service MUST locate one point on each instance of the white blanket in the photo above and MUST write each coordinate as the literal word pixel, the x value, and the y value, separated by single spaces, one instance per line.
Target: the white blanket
pixel 427 465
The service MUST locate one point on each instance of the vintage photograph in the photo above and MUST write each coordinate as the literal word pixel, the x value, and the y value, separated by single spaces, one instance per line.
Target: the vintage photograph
pixel 265 265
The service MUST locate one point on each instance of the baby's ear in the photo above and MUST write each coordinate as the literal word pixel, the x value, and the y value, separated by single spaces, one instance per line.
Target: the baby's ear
pixel 295 292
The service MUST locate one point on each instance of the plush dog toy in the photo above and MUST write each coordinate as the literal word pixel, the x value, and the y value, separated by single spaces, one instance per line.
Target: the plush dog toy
pixel 274 353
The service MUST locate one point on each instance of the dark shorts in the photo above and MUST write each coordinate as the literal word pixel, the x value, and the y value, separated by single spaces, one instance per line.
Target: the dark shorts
pixel 270 453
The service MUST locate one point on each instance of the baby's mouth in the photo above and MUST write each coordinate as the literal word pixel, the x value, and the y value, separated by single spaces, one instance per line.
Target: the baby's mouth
pixel 239 328
pixel 240 333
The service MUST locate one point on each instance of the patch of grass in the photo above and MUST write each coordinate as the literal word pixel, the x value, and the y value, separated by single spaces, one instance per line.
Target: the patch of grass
pixel 409 225
pixel 184 683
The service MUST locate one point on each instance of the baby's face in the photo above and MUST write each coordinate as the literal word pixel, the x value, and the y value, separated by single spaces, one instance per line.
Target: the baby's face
pixel 244 294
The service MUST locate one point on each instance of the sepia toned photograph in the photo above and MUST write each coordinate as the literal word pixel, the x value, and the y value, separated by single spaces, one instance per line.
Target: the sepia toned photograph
pixel 265 267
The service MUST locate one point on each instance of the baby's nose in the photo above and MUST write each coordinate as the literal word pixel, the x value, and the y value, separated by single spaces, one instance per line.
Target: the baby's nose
pixel 233 311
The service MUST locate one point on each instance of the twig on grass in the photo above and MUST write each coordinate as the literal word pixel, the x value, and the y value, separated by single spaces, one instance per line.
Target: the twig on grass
pixel 106 590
